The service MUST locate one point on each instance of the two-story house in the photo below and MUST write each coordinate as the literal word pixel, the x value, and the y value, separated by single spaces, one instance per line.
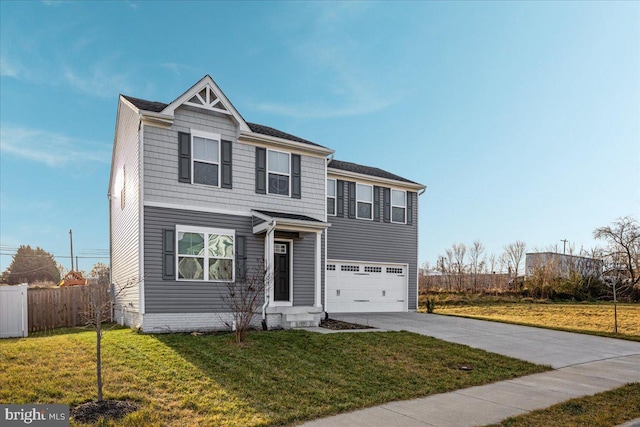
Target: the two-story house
pixel 199 197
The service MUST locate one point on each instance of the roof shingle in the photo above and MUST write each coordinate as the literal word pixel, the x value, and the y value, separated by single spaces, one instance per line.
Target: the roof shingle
pixel 157 107
pixel 367 170
pixel 285 215
pixel 143 104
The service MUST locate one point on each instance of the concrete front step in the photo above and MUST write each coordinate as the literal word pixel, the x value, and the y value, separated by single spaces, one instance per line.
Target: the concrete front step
pixel 299 320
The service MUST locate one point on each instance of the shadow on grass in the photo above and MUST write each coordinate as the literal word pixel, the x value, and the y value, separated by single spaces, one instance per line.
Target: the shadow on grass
pixel 73 330
pixel 290 376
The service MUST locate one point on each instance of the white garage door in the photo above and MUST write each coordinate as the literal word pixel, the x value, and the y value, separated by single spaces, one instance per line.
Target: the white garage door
pixel 354 287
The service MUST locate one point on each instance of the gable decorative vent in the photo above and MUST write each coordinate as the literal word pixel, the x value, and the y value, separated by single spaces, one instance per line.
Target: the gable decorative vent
pixel 208 100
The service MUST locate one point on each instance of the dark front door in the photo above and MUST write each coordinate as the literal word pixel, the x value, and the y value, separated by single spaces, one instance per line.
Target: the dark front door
pixel 281 272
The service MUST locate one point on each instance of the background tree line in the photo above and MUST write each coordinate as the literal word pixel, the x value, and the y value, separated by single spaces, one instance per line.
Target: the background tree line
pixel 613 266
pixel 37 266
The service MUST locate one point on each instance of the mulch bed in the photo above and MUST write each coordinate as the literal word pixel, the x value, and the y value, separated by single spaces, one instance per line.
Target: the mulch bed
pixel 338 325
pixel 90 412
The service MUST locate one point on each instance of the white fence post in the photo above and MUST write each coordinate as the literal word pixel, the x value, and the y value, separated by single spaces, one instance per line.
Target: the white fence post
pixel 14 305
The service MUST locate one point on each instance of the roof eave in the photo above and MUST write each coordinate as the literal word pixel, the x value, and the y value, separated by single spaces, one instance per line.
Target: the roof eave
pixel 281 142
pixel 156 119
pixel 356 175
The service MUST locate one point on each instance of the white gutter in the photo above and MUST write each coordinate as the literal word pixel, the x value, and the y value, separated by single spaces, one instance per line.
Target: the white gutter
pixel 266 139
pixel 270 230
pixel 375 180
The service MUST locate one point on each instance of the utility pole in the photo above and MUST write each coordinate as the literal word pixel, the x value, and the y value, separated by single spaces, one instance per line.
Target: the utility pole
pixel 564 246
pixel 71 244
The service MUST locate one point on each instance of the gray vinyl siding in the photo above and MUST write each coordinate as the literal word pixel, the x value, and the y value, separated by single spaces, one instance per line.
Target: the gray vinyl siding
pixel 304 252
pixel 172 296
pixel 366 240
pixel 161 171
pixel 124 223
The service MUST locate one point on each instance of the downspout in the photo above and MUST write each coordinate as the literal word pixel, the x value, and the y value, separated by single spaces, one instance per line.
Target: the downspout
pixel 266 288
pixel 422 192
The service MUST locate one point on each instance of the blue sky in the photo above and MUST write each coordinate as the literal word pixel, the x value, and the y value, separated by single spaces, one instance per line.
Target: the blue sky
pixel 523 118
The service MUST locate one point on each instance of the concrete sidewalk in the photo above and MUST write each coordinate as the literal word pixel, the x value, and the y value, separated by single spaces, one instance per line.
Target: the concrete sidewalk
pixel 584 365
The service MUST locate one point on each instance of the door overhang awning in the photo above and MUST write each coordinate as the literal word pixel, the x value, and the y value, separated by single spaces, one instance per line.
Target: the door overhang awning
pixel 286 222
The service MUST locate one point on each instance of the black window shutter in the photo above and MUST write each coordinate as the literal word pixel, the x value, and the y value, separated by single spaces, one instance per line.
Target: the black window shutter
pixel 296 179
pixel 352 200
pixel 168 254
pixel 410 207
pixel 184 157
pixel 226 164
pixel 340 198
pixel 241 258
pixel 376 203
pixel 386 204
pixel 261 170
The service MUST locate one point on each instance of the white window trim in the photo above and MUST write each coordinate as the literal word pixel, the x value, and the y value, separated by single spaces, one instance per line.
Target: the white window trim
pixel 279 173
pixel 206 231
pixel 364 201
pixel 212 136
pixel 404 221
pixel 272 300
pixel 334 197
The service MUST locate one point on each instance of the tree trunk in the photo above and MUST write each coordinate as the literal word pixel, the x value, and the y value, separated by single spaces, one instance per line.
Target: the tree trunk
pixel 615 308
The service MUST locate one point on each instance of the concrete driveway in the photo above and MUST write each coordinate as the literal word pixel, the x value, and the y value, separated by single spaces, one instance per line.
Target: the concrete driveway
pixel 542 346
pixel 584 365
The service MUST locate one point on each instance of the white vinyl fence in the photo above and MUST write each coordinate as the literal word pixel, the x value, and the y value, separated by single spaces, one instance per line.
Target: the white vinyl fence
pixel 13 311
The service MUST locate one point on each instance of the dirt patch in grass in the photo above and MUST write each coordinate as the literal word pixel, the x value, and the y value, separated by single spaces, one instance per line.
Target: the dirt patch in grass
pixel 91 412
pixel 338 325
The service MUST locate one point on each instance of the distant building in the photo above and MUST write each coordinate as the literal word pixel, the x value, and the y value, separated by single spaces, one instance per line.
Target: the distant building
pixel 562 264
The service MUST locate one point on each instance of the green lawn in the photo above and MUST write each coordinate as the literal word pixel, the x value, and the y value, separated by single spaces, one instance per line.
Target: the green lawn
pixel 601 410
pixel 596 318
pixel 276 378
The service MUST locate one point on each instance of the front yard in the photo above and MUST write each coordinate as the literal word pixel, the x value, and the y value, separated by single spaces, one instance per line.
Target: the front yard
pixel 577 317
pixel 277 378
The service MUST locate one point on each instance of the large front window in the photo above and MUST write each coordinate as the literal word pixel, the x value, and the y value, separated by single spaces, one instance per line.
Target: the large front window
pixel 331 196
pixel 278 169
pixel 205 254
pixel 398 206
pixel 206 158
pixel 364 199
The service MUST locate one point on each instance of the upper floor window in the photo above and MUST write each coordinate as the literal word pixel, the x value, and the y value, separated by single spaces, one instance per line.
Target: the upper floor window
pixel 206 158
pixel 278 169
pixel 331 196
pixel 364 201
pixel 398 206
pixel 205 254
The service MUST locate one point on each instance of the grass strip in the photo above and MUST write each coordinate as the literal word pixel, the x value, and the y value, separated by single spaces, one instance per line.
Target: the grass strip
pixel 593 319
pixel 605 409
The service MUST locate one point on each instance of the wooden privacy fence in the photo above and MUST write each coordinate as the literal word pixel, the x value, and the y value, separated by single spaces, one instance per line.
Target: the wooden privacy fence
pixel 51 308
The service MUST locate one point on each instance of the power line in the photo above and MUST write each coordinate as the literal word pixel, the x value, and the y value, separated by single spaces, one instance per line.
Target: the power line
pixel 58 256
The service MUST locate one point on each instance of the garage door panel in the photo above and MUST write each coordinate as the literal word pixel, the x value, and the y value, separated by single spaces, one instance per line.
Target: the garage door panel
pixel 365 287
